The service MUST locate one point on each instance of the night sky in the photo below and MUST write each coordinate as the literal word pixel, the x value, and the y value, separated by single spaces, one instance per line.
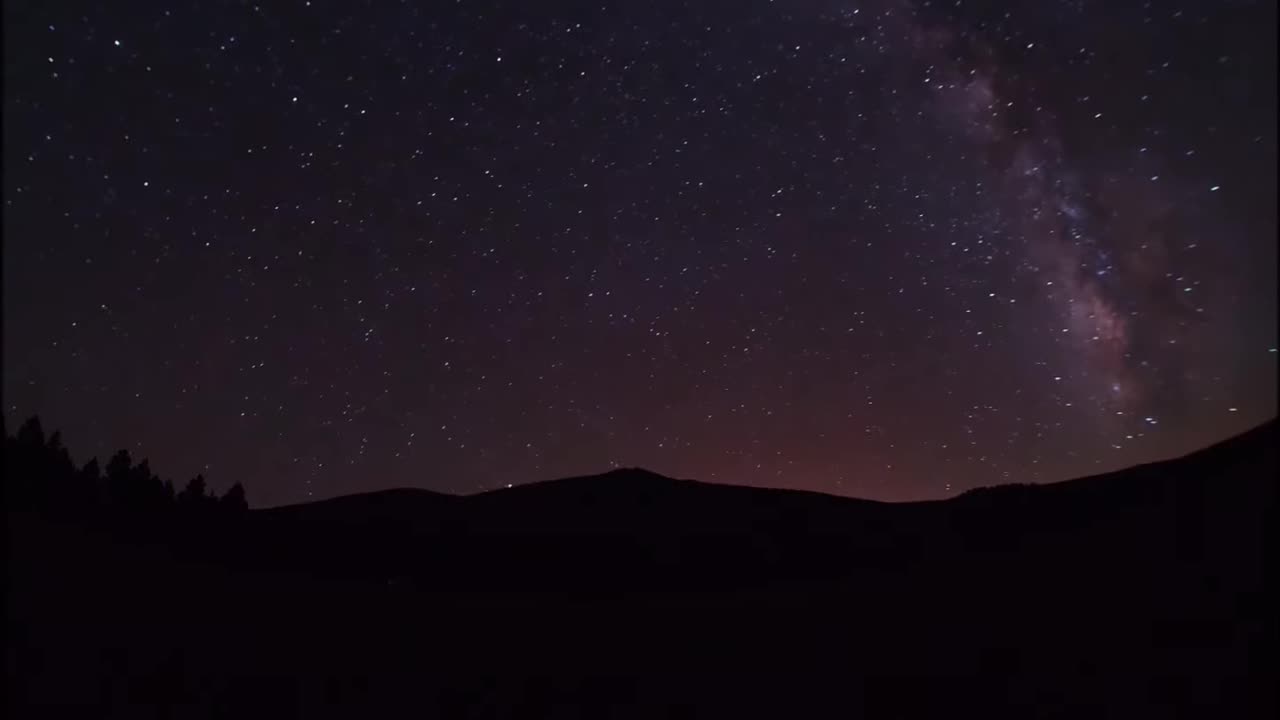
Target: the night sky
pixel 878 248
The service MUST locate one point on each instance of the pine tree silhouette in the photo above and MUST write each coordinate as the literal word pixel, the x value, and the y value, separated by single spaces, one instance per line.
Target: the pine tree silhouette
pixel 116 483
pixel 61 459
pixel 146 486
pixel 39 473
pixel 193 495
pixel 90 474
pixel 118 467
pixel 31 434
pixel 88 484
pixel 234 500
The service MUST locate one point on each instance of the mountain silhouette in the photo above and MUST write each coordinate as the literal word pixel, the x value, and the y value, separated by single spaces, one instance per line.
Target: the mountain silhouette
pixel 1147 592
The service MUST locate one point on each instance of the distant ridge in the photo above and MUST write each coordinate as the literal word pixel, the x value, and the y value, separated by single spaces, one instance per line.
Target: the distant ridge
pixel 1254 445
pixel 640 482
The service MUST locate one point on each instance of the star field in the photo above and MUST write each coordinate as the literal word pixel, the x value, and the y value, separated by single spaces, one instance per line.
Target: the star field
pixel 888 249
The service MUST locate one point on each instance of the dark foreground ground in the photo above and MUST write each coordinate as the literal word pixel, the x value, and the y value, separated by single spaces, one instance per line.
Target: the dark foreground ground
pixel 1141 594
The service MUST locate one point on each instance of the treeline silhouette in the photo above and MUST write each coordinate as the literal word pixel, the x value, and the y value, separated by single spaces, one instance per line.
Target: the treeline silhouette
pixel 40 475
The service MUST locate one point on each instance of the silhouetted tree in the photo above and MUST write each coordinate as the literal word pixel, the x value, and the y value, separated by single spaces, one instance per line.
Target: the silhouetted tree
pixel 63 466
pixel 141 472
pixel 118 467
pixel 116 483
pixel 90 471
pixel 145 486
pixel 193 495
pixel 89 481
pixel 234 500
pixel 27 465
pixel 39 474
pixel 41 469
pixel 31 434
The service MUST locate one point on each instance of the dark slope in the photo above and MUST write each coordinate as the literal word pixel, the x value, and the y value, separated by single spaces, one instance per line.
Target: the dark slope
pixel 630 497
pixel 626 528
pixel 1143 593
pixel 640 529
pixel 397 510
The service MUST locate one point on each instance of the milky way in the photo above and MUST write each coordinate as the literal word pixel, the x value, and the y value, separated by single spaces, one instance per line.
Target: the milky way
pixel 888 249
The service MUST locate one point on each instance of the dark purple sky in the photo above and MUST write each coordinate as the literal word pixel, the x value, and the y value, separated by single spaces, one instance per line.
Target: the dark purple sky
pixel 888 249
